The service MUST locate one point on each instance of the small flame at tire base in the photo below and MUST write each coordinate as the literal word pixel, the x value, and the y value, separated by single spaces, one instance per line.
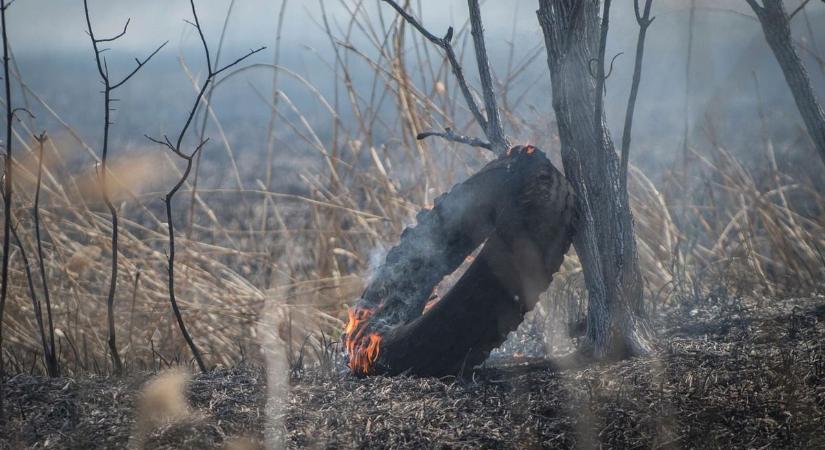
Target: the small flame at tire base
pixel 362 350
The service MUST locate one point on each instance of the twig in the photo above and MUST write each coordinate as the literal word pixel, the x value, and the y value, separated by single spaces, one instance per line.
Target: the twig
pixel 28 113
pixel 609 71
pixel 52 364
pixel 204 122
pixel 644 20
pixel 109 87
pixel 449 135
pixel 446 45
pixel 176 149
pixel 798 9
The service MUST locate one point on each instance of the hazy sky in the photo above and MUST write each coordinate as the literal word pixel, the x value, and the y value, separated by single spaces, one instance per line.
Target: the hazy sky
pixel 49 41
pixel 59 25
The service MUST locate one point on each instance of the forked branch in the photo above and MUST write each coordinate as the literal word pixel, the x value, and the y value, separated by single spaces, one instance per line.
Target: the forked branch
pixel 491 125
pixel 108 88
pixel 175 148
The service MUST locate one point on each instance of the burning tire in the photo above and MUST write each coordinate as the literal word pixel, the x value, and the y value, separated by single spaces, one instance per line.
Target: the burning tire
pixel 521 210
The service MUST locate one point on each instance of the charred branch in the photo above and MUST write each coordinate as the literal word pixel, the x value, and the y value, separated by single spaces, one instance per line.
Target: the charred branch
pixel 495 131
pixel 36 306
pixel 799 8
pixel 450 135
pixel 491 125
pixel 644 20
pixel 109 87
pixel 52 365
pixel 202 132
pixel 176 148
pixel 601 78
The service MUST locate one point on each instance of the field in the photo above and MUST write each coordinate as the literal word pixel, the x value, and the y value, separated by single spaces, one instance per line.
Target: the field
pixel 730 374
pixel 273 245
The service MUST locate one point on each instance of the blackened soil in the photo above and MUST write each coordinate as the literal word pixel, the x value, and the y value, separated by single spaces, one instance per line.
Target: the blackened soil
pixel 733 375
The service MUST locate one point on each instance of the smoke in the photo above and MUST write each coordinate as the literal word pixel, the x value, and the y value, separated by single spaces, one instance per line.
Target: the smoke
pixel 376 258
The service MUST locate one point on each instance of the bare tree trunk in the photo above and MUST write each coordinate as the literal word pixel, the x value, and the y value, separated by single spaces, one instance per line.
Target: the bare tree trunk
pixel 605 241
pixel 776 26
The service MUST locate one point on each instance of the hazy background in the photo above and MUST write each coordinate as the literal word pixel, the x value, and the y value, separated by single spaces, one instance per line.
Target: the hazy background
pixel 55 59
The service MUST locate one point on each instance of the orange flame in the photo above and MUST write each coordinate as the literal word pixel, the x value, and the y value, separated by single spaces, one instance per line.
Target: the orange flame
pixel 362 350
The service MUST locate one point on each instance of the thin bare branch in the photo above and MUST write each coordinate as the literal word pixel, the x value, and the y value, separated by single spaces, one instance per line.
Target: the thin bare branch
pixel 207 100
pixel 176 149
pixel 197 25
pixel 441 42
pixel 119 35
pixel 644 20
pixel 36 306
pixel 449 135
pixel 108 88
pixel 16 110
pixel 600 75
pixel 52 365
pixel 238 61
pixel 494 131
pixel 798 9
pixel 446 45
pixel 139 66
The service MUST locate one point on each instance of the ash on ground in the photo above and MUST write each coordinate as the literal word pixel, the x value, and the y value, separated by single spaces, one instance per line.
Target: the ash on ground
pixel 741 374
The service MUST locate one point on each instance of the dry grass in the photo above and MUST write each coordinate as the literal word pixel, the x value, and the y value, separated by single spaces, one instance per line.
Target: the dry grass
pixel 306 255
pixel 732 374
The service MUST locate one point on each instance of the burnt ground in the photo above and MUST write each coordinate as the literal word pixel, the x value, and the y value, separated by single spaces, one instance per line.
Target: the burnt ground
pixel 732 374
